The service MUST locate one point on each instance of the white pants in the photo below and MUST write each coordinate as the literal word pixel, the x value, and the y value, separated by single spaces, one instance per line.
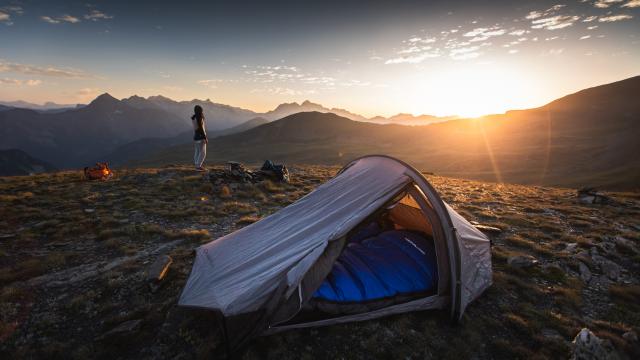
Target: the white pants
pixel 201 152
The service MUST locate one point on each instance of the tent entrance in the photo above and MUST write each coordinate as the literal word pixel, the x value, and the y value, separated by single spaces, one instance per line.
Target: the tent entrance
pixel 395 256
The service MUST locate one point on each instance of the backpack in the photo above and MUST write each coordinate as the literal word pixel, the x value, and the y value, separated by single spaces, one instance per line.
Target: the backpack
pixel 279 172
pixel 99 172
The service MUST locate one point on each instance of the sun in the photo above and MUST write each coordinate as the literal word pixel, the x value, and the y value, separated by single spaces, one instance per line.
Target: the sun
pixel 469 90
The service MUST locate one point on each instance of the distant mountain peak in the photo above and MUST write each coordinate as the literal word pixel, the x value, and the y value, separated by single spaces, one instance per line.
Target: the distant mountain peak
pixel 104 100
pixel 159 98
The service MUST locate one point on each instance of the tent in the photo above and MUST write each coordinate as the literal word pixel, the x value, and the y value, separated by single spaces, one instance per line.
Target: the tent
pixel 375 240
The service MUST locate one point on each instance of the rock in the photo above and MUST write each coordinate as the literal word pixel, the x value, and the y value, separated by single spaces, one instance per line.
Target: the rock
pixel 572 247
pixel 608 267
pixel 630 336
pixel 612 270
pixel 522 261
pixel 158 270
pixel 488 229
pixel 584 257
pixel 122 331
pixel 625 244
pixel 585 273
pixel 592 196
pixel 587 346
pixel 587 199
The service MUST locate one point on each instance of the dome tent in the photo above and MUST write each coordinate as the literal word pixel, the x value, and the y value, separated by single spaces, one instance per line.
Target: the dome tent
pixel 268 273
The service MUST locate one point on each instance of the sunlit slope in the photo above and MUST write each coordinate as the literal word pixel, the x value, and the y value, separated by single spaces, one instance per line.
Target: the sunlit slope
pixel 585 139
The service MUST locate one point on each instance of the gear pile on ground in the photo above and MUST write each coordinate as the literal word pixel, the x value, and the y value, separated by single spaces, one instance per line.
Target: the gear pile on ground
pixel 100 171
pixel 238 173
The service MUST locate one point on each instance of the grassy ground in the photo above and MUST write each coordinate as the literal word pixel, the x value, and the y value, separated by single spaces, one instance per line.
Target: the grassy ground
pixel 73 258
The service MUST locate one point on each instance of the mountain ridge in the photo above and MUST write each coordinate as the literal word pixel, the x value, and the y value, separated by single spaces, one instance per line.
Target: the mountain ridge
pixel 562 144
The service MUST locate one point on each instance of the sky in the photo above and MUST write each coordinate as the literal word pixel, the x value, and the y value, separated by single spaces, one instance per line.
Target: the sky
pixel 370 57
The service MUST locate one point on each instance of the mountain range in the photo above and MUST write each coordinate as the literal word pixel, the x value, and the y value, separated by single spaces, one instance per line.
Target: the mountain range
pixel 587 138
pixel 79 135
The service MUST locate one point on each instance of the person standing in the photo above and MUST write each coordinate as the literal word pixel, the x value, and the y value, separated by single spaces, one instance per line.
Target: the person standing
pixel 199 138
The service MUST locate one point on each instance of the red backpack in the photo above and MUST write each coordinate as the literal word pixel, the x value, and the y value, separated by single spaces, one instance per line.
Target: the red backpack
pixel 99 172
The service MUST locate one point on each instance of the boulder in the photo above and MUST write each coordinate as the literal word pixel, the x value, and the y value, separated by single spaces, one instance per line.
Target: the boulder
pixel 630 336
pixel 587 346
pixel 158 271
pixel 585 273
pixel 571 247
pixel 522 261
pixel 488 229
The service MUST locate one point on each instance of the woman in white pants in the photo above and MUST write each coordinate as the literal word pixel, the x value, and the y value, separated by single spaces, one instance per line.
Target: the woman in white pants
pixel 199 138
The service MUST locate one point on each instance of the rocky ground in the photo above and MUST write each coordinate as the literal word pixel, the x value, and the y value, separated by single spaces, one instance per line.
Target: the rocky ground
pixel 75 255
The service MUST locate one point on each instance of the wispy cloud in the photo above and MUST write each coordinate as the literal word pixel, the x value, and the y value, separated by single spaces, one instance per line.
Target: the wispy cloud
pixel 613 18
pixel 603 4
pixel 44 71
pixel 283 91
pixel 415 50
pixel 7 11
pixel 632 4
pixel 554 22
pixel 585 37
pixel 414 59
pixel 482 34
pixel 60 19
pixel 539 14
pixel 96 15
pixel 465 53
pixel 210 83
pixel 19 82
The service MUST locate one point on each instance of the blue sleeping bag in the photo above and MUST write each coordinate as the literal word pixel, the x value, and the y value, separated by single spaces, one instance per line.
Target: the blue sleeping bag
pixel 381 266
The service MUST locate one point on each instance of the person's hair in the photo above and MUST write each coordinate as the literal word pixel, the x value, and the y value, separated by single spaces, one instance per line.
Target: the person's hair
pixel 197 112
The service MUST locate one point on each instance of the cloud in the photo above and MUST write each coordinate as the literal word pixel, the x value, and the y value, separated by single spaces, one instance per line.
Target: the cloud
pixel 44 71
pixel 60 19
pixel 465 53
pixel 518 32
pixel 538 14
pixel 211 83
pixel 413 59
pixel 18 82
pixel 415 50
pixel 589 19
pixel 482 34
pixel 96 15
pixel 554 22
pixel 585 37
pixel 7 11
pixel 613 18
pixel 632 4
pixel 603 4
pixel 282 91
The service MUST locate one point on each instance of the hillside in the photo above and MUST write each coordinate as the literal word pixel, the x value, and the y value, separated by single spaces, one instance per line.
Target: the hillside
pixel 585 139
pixel 17 162
pixel 140 149
pixel 74 257
pixel 75 137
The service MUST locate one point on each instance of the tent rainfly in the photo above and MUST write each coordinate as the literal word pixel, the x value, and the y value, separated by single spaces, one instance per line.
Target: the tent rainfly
pixel 375 240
